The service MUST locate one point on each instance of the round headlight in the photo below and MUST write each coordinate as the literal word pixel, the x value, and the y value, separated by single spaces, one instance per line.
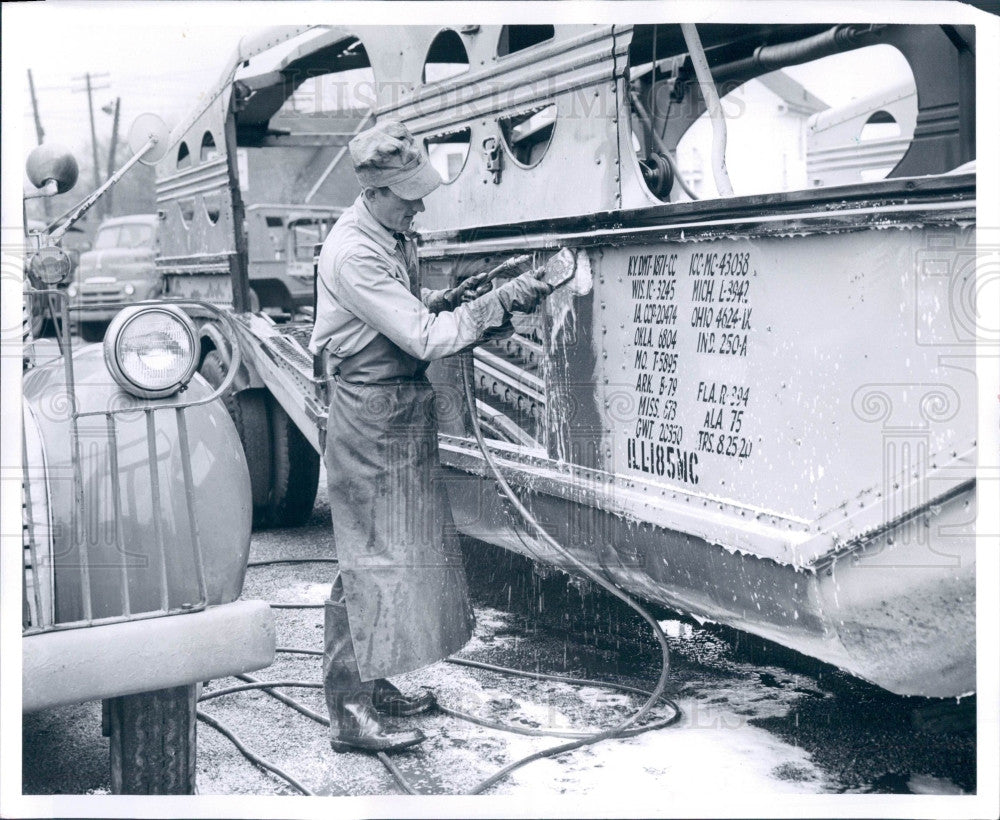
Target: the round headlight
pixel 72 290
pixel 50 266
pixel 151 351
pixel 129 289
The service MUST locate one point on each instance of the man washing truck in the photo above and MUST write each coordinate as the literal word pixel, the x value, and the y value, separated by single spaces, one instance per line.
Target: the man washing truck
pixel 399 601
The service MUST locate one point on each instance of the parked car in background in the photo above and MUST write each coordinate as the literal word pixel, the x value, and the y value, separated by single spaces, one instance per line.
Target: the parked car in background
pixel 118 270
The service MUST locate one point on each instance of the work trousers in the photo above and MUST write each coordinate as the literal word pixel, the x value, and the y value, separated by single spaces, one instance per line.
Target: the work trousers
pixel 340 666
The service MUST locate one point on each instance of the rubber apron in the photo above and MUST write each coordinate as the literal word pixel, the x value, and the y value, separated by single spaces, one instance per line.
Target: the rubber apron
pixel 401 568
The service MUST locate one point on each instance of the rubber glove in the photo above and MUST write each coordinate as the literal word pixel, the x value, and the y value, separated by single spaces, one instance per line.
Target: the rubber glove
pixel 523 293
pixel 470 289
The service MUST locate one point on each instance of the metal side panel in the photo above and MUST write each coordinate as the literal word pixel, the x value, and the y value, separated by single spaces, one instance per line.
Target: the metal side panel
pixel 802 375
pixel 897 609
pixel 903 603
pixel 689 573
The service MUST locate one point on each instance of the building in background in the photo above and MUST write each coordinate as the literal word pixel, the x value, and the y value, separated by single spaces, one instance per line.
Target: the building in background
pixel 782 136
pixel 863 140
pixel 767 121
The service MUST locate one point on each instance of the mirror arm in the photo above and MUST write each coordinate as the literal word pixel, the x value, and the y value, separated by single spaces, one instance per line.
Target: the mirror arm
pixel 51 188
pixel 73 214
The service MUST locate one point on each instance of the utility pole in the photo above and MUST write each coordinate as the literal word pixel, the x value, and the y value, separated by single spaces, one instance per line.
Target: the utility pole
pixel 40 134
pixel 90 88
pixel 111 155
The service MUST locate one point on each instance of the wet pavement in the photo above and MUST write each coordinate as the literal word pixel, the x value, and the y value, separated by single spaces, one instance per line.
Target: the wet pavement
pixel 755 717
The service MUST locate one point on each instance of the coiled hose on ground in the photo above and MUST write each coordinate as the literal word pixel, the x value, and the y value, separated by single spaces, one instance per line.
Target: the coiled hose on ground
pixel 626 728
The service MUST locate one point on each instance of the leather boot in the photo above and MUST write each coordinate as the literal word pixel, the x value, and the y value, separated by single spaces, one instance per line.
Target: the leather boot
pixel 388 700
pixel 354 724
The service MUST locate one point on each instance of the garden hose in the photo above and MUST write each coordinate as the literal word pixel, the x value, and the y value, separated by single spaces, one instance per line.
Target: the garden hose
pixel 251 683
pixel 626 728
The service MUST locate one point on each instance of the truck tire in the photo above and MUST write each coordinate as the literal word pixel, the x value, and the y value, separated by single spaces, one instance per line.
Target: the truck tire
pixel 284 468
pixel 295 472
pixel 248 409
pixel 93 331
pixel 153 742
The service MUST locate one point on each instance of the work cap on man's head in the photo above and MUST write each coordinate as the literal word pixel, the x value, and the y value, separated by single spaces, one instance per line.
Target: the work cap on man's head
pixel 386 156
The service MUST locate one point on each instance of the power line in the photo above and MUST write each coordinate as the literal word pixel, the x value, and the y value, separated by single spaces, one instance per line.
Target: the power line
pixel 53 87
pixel 91 76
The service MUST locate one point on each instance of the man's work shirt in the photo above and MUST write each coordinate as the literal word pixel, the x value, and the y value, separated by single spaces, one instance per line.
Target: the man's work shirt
pixel 367 284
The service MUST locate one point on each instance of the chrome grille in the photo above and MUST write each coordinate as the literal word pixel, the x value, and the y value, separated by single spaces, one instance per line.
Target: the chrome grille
pixel 92 294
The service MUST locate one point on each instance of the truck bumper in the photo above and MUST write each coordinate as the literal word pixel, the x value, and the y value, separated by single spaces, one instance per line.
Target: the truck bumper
pixel 78 665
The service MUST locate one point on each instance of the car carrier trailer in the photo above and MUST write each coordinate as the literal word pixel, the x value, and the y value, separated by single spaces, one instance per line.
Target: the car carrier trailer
pixel 755 408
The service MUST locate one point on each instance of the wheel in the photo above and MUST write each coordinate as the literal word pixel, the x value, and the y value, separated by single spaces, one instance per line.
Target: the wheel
pixel 284 468
pixel 295 471
pixel 93 331
pixel 248 409
pixel 153 742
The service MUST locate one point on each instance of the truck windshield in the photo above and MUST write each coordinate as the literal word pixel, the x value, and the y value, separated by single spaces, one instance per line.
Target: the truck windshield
pixel 125 236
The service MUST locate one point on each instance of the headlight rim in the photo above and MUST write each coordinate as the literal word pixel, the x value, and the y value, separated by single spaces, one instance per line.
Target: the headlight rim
pixel 40 261
pixel 120 323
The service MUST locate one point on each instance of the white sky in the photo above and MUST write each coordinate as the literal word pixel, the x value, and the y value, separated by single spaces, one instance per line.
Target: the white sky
pixel 165 72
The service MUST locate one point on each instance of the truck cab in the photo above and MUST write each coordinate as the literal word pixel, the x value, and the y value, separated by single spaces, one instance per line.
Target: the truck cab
pixel 135 511
pixel 280 243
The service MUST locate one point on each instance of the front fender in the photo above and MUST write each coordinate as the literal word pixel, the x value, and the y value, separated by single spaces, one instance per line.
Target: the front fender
pixel 138 525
